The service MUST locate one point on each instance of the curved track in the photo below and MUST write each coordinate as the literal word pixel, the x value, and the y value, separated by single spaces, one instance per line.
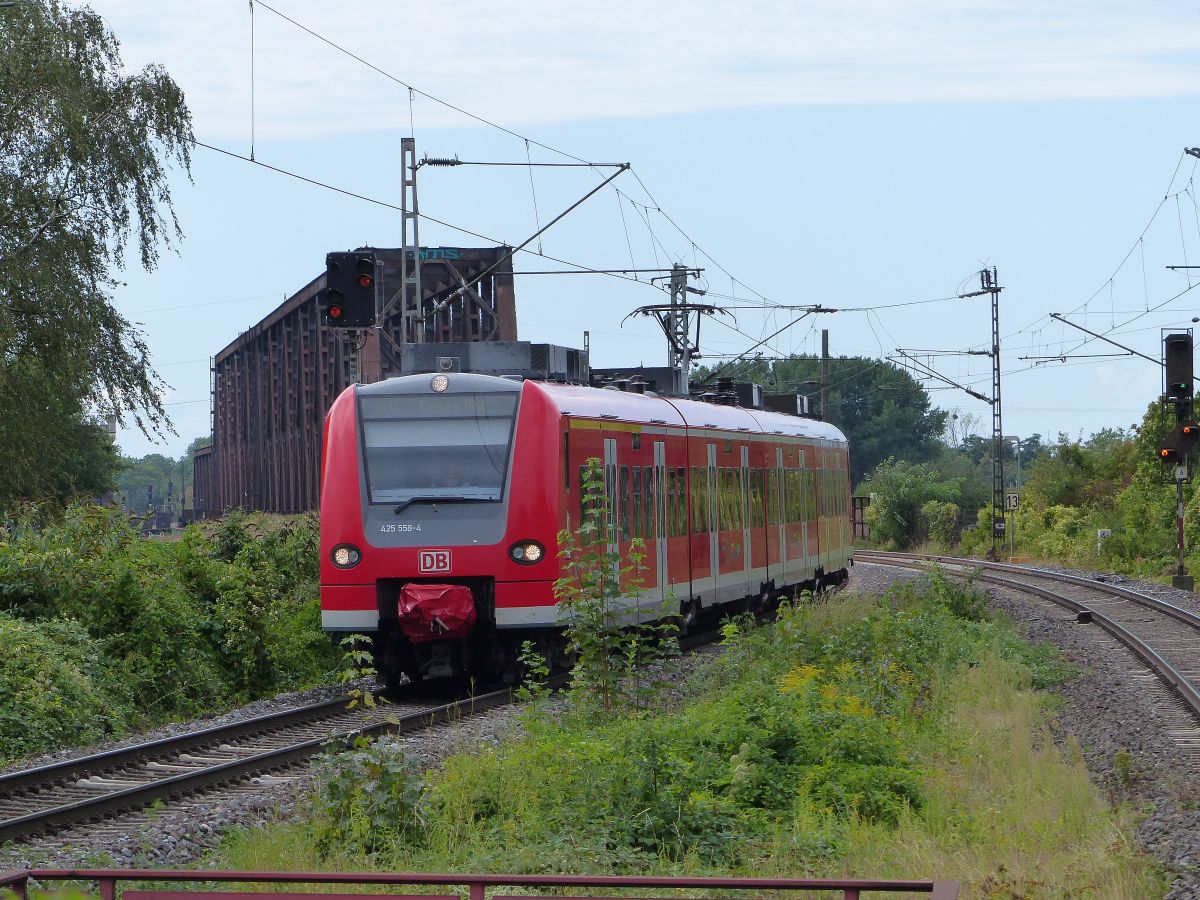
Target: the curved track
pixel 90 788
pixel 1164 636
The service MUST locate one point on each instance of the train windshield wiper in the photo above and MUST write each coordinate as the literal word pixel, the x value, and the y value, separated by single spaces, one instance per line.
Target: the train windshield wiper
pixel 431 498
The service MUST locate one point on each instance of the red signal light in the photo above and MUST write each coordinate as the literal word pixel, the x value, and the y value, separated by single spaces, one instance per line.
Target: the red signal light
pixel 365 280
pixel 334 311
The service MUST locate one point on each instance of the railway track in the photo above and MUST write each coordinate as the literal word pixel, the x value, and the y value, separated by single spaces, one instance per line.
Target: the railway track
pixel 106 785
pixel 1165 637
pixel 103 787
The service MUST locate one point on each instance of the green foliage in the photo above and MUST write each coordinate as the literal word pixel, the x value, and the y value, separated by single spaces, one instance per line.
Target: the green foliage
pixel 257 577
pixel 357 663
pixel 84 150
pixel 795 734
pixel 1109 482
pixel 1123 769
pixel 942 521
pixel 601 603
pixel 900 496
pixel 56 688
pixel 179 628
pixel 367 798
pixel 535 669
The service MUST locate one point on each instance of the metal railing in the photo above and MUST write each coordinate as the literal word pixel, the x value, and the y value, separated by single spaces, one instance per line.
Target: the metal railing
pixel 469 887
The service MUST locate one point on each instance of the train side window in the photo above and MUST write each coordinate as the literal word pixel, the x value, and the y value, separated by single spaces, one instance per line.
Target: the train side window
pixel 719 500
pixel 670 501
pixel 566 463
pixel 735 498
pixel 648 507
pixel 697 501
pixel 769 496
pixel 623 493
pixel 680 501
pixel 789 495
pixel 734 491
pixel 757 519
pixel 784 517
pixel 798 496
pixel 775 497
pixel 639 526
pixel 785 495
pixel 723 481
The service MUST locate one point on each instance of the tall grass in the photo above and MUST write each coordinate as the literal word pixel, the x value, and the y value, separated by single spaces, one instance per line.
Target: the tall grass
pixel 902 737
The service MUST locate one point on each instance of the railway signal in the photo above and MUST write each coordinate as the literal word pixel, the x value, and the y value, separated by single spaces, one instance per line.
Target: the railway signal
pixel 350 290
pixel 1177 359
pixel 1168 453
pixel 1189 436
pixel 1178 391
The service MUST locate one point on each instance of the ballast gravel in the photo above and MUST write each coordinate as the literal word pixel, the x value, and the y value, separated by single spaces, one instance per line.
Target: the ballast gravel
pixel 1116 720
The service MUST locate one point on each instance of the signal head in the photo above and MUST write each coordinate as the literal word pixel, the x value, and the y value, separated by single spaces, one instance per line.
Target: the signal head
pixel 1177 361
pixel 350 289
pixel 1189 435
pixel 1169 454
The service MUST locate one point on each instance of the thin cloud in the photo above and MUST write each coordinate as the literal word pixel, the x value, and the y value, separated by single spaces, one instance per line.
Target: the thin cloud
pixel 543 62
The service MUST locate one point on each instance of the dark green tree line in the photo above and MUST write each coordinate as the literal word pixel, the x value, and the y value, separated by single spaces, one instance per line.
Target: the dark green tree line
pixel 882 410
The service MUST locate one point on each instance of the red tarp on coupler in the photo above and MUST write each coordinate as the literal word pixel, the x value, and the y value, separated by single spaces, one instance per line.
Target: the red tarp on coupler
pixel 434 612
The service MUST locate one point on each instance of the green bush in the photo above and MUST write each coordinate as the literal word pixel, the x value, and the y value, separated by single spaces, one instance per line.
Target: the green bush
pixel 793 734
pixel 228 613
pixel 55 688
pixel 900 494
pixel 941 522
pixel 366 797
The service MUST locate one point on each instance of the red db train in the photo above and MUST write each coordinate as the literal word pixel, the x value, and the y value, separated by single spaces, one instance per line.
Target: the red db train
pixel 442 497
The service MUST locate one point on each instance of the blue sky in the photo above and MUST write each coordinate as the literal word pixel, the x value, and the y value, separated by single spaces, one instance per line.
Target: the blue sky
pixel 858 155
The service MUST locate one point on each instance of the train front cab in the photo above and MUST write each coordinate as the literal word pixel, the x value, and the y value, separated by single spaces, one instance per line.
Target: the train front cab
pixel 418 475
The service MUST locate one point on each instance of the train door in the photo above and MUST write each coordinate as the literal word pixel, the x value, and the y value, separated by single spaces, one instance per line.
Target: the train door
pixel 714 538
pixel 780 516
pixel 660 518
pixel 745 500
pixel 612 491
pixel 823 507
pixel 809 509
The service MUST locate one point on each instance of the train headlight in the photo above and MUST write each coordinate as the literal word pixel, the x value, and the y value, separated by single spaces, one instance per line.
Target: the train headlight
pixel 346 556
pixel 439 383
pixel 527 552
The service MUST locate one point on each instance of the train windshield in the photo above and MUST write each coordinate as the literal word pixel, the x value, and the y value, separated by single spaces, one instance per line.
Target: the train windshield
pixel 430 447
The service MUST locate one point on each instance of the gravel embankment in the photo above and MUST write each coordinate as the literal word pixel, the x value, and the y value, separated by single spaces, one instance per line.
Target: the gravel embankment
pixel 1103 709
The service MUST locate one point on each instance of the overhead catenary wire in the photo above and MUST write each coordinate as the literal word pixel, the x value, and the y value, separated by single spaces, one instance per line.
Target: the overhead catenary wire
pixel 385 204
pixel 485 121
pixel 656 243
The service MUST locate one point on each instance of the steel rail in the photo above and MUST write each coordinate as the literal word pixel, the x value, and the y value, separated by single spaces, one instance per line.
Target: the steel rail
pixel 170 787
pixel 120 801
pixel 1176 612
pixel 1167 672
pixel 148 751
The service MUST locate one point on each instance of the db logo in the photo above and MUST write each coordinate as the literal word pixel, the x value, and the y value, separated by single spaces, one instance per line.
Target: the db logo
pixel 433 561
